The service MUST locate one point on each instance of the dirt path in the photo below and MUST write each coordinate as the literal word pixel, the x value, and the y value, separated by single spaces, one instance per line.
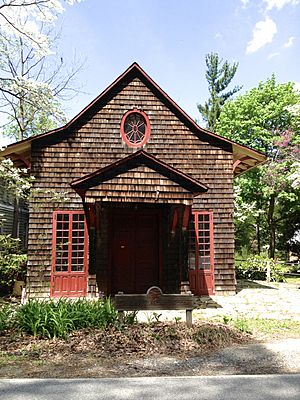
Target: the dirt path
pixel 278 357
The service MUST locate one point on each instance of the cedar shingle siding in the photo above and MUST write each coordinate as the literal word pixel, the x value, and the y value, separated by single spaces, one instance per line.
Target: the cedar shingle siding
pixel 96 143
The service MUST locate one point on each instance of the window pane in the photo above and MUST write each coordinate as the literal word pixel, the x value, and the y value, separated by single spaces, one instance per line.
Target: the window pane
pixel 204 245
pixel 78 237
pixel 69 245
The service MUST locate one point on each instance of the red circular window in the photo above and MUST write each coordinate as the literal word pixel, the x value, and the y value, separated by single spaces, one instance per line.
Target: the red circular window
pixel 135 128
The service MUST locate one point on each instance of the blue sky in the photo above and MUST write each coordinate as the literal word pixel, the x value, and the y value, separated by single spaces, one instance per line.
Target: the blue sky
pixel 170 38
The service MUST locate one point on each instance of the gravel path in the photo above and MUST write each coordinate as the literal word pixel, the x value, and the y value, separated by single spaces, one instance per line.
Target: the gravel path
pixel 257 300
pixel 279 357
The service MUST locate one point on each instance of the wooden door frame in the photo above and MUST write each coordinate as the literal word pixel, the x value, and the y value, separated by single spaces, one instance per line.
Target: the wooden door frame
pixel 111 214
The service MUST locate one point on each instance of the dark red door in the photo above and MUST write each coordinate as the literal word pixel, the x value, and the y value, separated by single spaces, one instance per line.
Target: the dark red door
pixel 135 251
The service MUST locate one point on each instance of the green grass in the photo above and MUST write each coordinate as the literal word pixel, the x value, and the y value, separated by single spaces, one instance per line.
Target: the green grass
pixel 293 279
pixel 255 326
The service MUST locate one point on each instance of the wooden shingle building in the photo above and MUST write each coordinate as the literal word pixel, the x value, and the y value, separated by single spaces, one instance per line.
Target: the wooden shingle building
pixel 130 194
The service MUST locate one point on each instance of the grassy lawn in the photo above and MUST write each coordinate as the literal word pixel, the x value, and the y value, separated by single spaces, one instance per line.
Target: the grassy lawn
pixel 293 279
pixel 263 327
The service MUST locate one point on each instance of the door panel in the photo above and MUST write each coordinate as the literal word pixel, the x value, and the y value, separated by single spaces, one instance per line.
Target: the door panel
pixel 123 273
pixel 135 251
pixel 146 252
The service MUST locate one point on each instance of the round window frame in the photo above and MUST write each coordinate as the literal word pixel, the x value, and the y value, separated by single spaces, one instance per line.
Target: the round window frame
pixel 147 128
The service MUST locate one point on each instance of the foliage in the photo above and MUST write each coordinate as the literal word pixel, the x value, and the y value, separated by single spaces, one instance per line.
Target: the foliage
pixel 6 316
pixel 130 317
pixel 15 180
pixel 240 323
pixel 24 18
pixel 33 77
pixel 260 116
pixel 219 75
pixel 53 319
pixel 255 268
pixel 12 263
pixel 267 198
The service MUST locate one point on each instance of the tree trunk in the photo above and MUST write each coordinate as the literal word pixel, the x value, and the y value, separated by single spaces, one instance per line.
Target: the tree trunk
pixel 258 236
pixel 271 225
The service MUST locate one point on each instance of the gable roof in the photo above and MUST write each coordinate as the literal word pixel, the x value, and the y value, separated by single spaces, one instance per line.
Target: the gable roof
pixel 133 161
pixel 244 157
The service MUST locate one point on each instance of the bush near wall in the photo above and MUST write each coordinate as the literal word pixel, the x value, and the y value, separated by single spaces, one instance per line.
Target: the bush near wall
pixel 12 263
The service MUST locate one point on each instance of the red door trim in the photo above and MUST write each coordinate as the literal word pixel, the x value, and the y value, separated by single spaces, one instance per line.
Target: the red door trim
pixel 80 276
pixel 199 274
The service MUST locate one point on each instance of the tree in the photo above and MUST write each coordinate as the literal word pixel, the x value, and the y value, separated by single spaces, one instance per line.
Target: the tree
pixel 262 119
pixel 258 117
pixel 218 75
pixel 30 87
pixel 33 79
pixel 25 17
pixel 15 180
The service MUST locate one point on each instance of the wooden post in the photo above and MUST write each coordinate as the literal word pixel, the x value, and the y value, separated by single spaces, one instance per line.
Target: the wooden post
pixel 189 318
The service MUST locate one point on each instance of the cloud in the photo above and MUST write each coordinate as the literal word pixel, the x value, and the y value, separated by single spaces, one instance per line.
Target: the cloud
pixel 272 55
pixel 245 3
pixel 279 3
pixel 263 33
pixel 289 43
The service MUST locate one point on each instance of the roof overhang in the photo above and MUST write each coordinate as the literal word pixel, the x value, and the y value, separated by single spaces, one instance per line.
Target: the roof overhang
pixel 19 153
pixel 140 158
pixel 245 159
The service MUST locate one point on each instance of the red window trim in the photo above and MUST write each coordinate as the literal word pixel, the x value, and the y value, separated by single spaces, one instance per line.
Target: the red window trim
pixel 147 128
pixel 195 215
pixel 54 234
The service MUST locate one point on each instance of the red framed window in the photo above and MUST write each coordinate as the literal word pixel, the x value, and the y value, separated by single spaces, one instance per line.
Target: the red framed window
pixel 135 128
pixel 201 241
pixel 69 242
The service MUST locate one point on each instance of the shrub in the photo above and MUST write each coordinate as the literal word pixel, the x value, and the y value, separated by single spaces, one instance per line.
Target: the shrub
pixel 6 316
pixel 12 263
pixel 255 267
pixel 53 319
